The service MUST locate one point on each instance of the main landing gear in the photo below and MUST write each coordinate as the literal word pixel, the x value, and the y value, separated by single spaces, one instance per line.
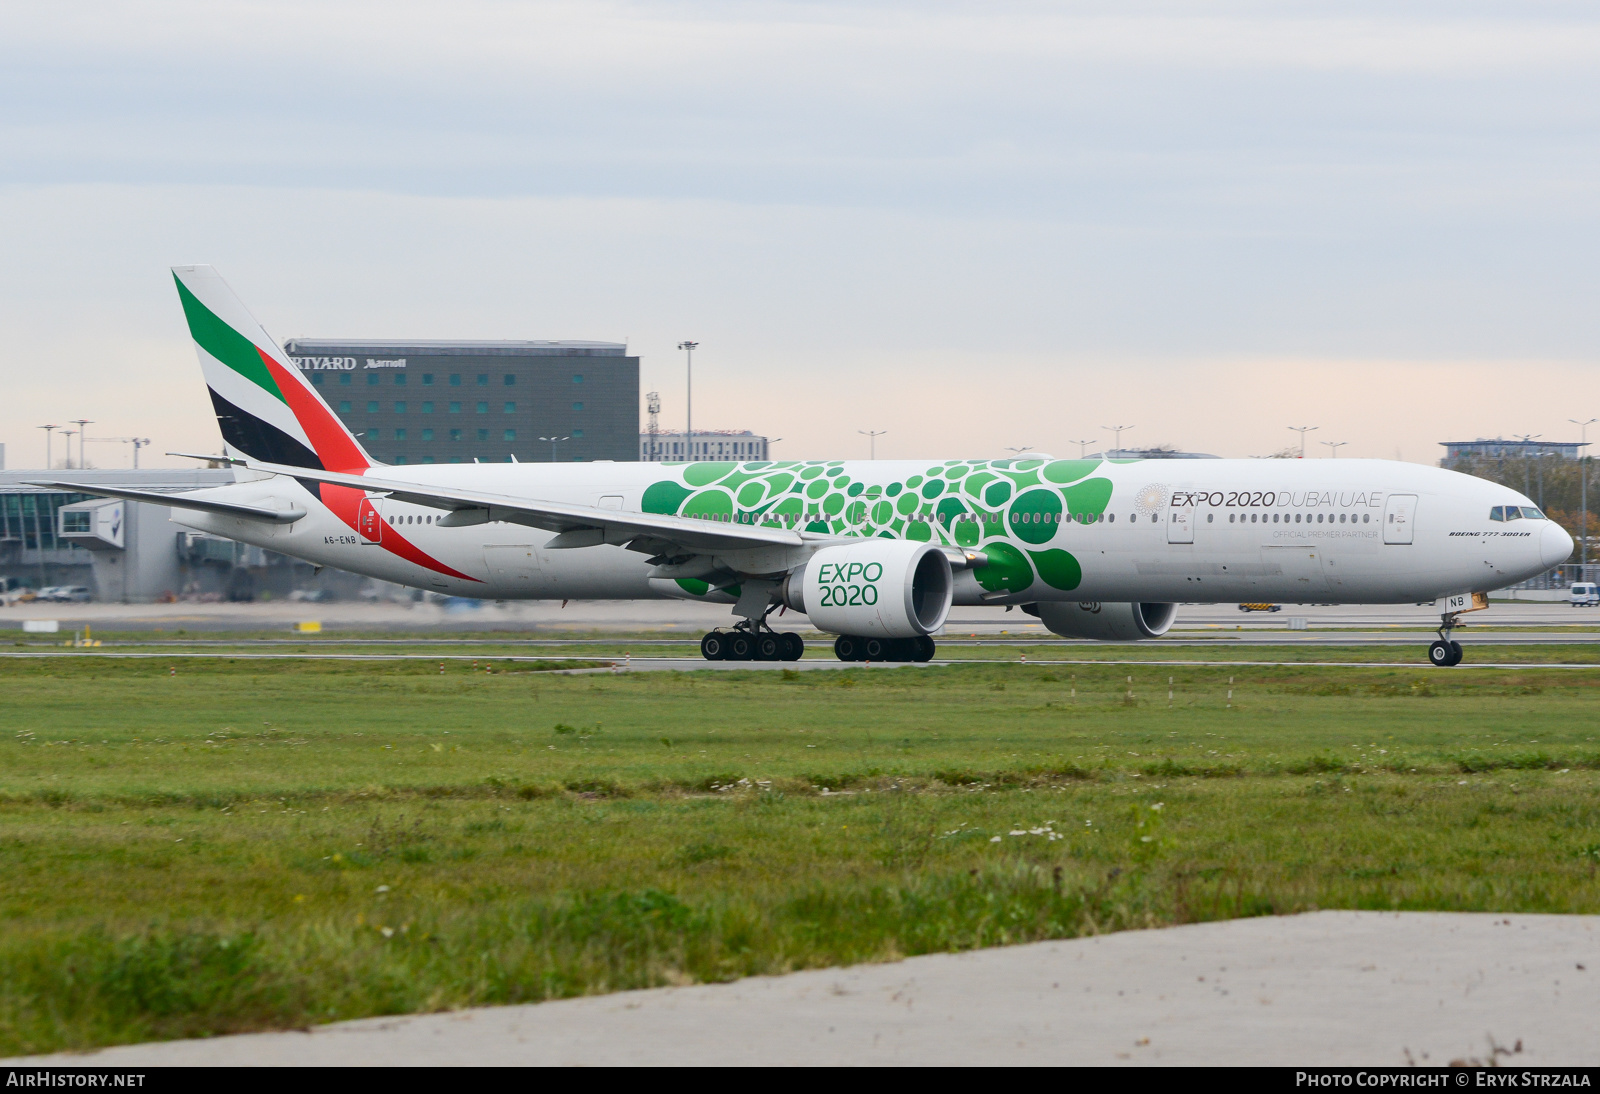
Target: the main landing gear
pixel 849 647
pixel 752 641
pixel 1446 653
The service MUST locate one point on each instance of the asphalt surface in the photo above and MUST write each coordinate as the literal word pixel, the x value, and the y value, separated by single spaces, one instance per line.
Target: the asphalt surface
pixel 1327 988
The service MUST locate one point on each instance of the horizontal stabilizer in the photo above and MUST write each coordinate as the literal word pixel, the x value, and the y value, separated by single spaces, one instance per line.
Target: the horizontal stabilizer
pixel 183 501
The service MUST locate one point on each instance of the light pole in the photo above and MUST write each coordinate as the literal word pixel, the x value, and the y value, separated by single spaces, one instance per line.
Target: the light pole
pixel 873 435
pixel 49 430
pixel 67 433
pixel 1333 447
pixel 553 442
pixel 688 403
pixel 83 435
pixel 1083 447
pixel 1116 432
pixel 138 443
pixel 1303 430
pixel 1583 491
pixel 1020 450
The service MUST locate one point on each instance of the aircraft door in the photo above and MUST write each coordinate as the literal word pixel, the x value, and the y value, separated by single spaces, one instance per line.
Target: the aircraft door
pixel 369 523
pixel 1180 518
pixel 1399 513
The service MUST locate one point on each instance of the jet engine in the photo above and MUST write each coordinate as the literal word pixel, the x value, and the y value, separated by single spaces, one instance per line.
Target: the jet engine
pixel 1105 622
pixel 877 588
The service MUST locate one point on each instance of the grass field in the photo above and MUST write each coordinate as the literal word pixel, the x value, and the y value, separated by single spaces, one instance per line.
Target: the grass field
pixel 198 847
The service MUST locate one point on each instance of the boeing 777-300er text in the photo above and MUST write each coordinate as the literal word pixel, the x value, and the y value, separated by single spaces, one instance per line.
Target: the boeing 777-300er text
pixel 873 552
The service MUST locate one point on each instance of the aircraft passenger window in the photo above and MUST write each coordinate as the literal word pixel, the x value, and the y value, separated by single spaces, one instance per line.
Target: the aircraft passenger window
pixel 1210 517
pixel 1253 518
pixel 1366 518
pixel 1112 517
pixel 1230 518
pixel 1297 518
pixel 1497 513
pixel 1531 513
pixel 1319 518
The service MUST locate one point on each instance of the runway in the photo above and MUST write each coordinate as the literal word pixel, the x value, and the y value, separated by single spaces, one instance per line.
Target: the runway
pixel 1326 988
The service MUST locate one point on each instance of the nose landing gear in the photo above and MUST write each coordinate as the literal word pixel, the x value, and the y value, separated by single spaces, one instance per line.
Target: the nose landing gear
pixel 1446 653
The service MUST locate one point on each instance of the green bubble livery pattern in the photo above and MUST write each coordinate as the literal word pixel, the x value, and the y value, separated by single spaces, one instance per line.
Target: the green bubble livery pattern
pixel 1010 509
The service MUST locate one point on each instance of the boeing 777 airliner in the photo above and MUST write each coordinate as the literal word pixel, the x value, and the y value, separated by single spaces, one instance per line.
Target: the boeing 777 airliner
pixel 873 552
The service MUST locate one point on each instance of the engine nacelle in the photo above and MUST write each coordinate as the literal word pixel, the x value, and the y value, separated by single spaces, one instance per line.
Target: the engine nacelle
pixel 1105 622
pixel 877 588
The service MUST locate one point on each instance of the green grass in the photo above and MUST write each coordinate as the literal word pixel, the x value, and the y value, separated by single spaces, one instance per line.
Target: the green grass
pixel 267 844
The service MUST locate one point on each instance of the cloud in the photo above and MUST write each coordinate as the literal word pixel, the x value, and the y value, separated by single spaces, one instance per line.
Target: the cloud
pixel 976 225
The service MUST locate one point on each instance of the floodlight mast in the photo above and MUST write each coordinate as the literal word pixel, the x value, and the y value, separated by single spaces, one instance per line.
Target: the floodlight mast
pixel 1303 430
pixel 688 404
pixel 1333 447
pixel 48 431
pixel 872 436
pixel 1116 433
pixel 83 434
pixel 1583 490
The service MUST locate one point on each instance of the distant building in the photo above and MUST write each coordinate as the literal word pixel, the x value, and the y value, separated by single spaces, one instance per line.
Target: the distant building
pixel 1161 452
pixel 713 444
pixel 414 402
pixel 1498 448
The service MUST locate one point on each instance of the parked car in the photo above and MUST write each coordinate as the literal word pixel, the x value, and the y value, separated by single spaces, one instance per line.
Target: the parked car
pixel 64 594
pixel 1583 594
pixel 1261 607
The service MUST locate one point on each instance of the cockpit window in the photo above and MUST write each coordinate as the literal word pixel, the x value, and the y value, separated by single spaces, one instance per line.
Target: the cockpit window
pixel 1513 513
pixel 1531 513
pixel 1498 513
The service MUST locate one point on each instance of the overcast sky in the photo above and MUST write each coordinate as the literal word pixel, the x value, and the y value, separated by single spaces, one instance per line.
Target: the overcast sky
pixel 973 225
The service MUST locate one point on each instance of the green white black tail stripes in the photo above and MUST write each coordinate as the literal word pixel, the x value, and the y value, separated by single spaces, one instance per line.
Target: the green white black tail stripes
pixel 264 406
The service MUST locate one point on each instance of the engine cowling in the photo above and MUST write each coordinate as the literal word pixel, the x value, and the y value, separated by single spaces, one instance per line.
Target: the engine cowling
pixel 1105 622
pixel 878 588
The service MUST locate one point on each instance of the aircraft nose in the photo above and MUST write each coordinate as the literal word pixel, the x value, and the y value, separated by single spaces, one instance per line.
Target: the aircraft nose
pixel 1555 546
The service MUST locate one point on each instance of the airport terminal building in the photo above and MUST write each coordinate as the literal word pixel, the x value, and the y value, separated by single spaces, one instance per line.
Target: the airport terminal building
pixel 419 402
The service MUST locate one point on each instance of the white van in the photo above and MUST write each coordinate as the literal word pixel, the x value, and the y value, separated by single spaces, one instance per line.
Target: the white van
pixel 1584 594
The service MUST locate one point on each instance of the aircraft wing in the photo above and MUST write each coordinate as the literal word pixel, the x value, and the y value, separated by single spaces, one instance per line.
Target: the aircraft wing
pixel 574 525
pixel 181 501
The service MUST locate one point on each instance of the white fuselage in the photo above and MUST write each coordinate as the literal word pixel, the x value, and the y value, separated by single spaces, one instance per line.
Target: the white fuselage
pixel 1298 531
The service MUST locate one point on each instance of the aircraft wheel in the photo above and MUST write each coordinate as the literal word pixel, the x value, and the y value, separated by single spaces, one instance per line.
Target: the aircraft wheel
pixel 925 648
pixel 740 648
pixel 794 647
pixel 714 646
pixel 847 648
pixel 769 648
pixel 1440 653
pixel 1456 652
pixel 877 649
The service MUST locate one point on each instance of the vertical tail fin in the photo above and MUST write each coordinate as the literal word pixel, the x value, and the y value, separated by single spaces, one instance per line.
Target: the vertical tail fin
pixel 264 405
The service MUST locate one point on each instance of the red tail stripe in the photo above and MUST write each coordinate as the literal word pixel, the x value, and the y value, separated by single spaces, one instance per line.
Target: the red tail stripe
pixel 329 439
